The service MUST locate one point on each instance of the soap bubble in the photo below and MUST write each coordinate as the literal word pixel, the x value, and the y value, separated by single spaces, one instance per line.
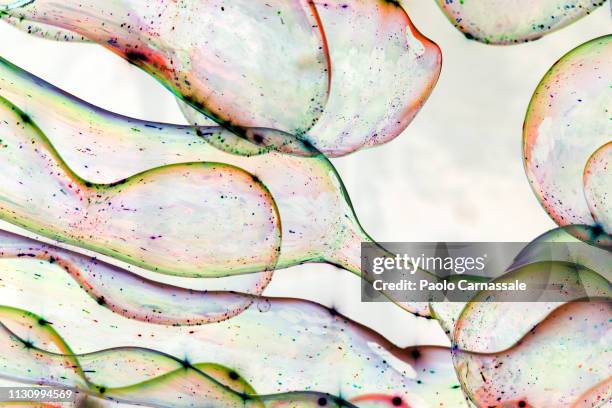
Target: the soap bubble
pixel 513 21
pixel 339 75
pixel 568 120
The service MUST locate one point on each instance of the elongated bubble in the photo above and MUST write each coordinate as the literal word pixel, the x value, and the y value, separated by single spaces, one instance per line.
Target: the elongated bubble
pixel 509 22
pixel 568 119
pixel 563 361
pixel 127 293
pixel 355 75
pixel 294 323
pixel 192 219
pixel 383 70
pixel 130 374
pixel 318 221
pixel 598 186
pixel 229 59
pixel 268 344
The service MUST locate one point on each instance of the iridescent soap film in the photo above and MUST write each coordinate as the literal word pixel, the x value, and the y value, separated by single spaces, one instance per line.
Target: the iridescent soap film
pixel 566 130
pixel 509 22
pixel 339 75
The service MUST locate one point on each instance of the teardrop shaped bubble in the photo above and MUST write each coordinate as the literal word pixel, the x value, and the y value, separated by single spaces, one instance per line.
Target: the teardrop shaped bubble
pixel 563 361
pixel 568 119
pixel 318 221
pixel 331 353
pixel 598 186
pixel 191 219
pixel 355 75
pixel 507 22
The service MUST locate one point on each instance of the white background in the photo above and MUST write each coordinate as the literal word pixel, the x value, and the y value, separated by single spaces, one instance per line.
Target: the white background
pixel 455 174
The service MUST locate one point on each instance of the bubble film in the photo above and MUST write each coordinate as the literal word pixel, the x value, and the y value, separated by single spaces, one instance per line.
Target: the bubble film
pixel 567 121
pixel 127 293
pixel 41 30
pixel 317 218
pixel 598 186
pixel 372 46
pixel 491 322
pixel 563 361
pixel 513 21
pixel 519 354
pixel 355 75
pixel 276 346
pixel 130 374
pixel 210 52
pixel 555 275
pixel 146 219
pixel 318 221
pixel 593 257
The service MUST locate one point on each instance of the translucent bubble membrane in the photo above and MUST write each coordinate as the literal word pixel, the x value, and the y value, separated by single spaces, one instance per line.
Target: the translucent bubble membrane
pixel 492 322
pixel 587 267
pixel 355 75
pixel 127 293
pixel 563 361
pixel 383 70
pixel 318 221
pixel 593 257
pixel 581 271
pixel 41 30
pixel 546 354
pixel 513 21
pixel 192 219
pixel 230 59
pixel 129 374
pixel 568 119
pixel 447 313
pixel 277 346
pixel 598 186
